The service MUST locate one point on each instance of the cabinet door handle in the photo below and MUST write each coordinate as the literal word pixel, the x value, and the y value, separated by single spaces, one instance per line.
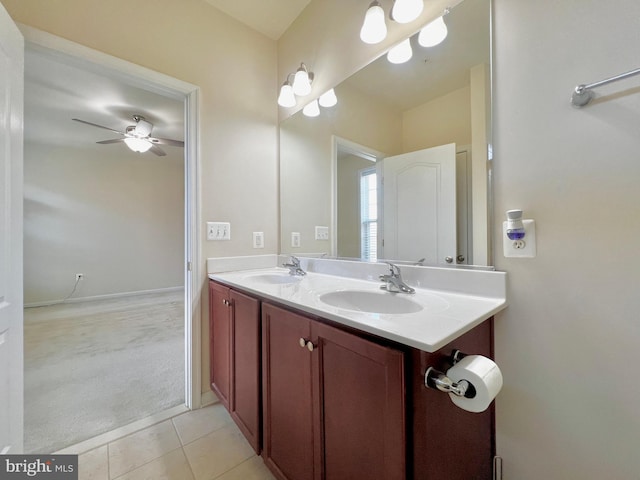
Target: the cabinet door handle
pixel 311 346
pixel 302 342
pixel 226 302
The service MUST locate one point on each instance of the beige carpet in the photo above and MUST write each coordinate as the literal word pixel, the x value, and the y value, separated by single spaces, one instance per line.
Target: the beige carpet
pixel 94 366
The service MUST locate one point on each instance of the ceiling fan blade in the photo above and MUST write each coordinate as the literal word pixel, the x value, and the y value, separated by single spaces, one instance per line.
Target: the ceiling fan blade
pixel 96 125
pixel 157 150
pixel 115 140
pixel 166 141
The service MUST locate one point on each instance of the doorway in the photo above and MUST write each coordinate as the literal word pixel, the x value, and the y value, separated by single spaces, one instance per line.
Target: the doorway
pixel 98 64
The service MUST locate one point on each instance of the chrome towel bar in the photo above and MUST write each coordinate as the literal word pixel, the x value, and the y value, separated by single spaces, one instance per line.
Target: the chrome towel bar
pixel 582 94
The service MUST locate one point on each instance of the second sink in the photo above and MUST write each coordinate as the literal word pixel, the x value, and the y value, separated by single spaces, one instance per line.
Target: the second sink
pixel 371 302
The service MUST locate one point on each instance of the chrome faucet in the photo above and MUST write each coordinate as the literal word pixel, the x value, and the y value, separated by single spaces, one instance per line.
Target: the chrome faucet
pixel 294 266
pixel 393 281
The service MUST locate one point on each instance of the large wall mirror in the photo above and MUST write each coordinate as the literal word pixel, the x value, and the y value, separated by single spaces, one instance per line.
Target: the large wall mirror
pixel 398 169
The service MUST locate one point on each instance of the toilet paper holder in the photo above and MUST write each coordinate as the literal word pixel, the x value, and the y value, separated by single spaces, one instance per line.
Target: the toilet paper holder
pixel 434 378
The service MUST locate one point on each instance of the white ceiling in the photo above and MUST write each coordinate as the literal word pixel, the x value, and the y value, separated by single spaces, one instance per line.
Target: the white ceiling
pixel 270 17
pixel 56 92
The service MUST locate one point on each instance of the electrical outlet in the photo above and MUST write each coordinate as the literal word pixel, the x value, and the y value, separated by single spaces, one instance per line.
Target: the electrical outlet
pixel 218 231
pixel 295 239
pixel 322 233
pixel 258 239
pixel 524 248
pixel 79 276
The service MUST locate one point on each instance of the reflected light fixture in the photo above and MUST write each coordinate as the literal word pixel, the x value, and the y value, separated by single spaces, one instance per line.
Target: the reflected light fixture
pixel 328 99
pixel 287 98
pixel 137 144
pixel 433 33
pixel 302 81
pixel 374 28
pixel 401 53
pixel 405 11
pixel 312 109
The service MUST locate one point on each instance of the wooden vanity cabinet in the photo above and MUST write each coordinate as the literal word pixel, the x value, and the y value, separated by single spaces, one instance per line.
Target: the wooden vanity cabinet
pixel 234 323
pixel 333 402
pixel 447 441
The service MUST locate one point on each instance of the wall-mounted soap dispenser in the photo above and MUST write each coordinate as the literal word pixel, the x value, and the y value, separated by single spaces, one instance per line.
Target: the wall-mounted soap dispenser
pixel 519 236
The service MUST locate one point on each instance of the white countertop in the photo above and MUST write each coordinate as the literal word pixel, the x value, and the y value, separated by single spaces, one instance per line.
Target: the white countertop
pixel 445 314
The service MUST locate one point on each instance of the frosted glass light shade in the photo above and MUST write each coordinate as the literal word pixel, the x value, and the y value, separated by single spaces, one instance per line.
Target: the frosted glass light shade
pixel 301 83
pixel 433 33
pixel 286 98
pixel 405 11
pixel 312 109
pixel 400 53
pixel 328 99
pixel 374 28
pixel 137 144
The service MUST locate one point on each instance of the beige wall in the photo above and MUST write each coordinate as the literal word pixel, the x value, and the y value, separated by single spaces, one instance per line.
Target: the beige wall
pixel 118 218
pixel 569 341
pixel 446 119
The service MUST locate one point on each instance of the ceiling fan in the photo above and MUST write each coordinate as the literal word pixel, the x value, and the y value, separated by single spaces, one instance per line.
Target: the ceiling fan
pixel 137 137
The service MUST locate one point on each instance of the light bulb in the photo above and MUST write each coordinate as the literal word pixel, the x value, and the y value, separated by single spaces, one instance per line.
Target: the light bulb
pixel 433 33
pixel 405 11
pixel 137 144
pixel 328 99
pixel 312 109
pixel 400 53
pixel 374 29
pixel 301 82
pixel 287 99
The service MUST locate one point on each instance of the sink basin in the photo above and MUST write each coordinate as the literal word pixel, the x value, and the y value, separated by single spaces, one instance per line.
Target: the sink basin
pixel 371 302
pixel 275 278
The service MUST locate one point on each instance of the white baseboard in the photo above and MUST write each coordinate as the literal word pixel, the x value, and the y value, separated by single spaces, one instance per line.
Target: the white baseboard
pixel 208 398
pixel 108 296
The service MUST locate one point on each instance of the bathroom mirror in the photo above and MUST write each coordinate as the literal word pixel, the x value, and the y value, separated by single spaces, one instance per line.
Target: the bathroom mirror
pixel 423 126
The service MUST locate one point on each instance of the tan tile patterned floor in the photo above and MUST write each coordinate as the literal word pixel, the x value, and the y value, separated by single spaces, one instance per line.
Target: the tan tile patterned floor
pixel 202 444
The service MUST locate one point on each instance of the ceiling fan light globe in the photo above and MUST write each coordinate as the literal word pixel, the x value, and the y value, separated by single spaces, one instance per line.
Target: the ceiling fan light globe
pixel 143 128
pixel 140 145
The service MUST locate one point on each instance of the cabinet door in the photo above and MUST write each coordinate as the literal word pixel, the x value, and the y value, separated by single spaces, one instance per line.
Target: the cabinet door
pixel 287 394
pixel 361 389
pixel 220 341
pixel 245 366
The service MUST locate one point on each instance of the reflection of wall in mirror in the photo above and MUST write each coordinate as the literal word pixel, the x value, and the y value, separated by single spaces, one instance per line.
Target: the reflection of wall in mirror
pixel 367 121
pixel 306 152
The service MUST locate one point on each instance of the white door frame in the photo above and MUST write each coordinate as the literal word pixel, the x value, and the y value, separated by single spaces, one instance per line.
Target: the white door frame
pixel 159 83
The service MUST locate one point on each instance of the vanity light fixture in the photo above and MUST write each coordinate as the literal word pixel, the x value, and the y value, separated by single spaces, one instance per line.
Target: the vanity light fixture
pixel 311 109
pixel 401 53
pixel 302 81
pixel 328 99
pixel 140 145
pixel 374 28
pixel 287 98
pixel 405 11
pixel 433 33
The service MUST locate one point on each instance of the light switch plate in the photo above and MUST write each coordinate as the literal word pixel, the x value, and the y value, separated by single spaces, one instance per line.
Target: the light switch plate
pixel 258 239
pixel 295 239
pixel 525 248
pixel 218 231
pixel 322 233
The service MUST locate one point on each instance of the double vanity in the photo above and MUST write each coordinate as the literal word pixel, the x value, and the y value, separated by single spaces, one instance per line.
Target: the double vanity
pixel 323 372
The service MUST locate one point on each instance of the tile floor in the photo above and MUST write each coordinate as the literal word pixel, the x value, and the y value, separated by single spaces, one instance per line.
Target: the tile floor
pixel 202 444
